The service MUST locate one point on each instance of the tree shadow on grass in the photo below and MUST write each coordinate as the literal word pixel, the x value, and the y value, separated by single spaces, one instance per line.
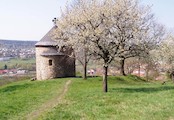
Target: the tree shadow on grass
pixel 15 87
pixel 143 89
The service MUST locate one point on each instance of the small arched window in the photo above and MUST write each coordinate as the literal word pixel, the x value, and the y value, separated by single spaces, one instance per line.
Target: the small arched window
pixel 50 62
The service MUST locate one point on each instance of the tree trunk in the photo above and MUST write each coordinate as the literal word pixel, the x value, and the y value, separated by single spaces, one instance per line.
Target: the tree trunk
pixel 172 76
pixel 85 65
pixel 85 71
pixel 147 75
pixel 105 78
pixel 139 68
pixel 122 63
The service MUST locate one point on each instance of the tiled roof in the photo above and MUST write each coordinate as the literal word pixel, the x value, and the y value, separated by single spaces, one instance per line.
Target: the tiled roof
pixel 47 40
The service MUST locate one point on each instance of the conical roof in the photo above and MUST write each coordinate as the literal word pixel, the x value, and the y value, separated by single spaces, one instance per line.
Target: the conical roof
pixel 47 40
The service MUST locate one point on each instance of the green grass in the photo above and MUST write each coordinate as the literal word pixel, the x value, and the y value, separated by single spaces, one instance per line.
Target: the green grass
pixel 20 98
pixel 129 98
pixel 18 63
pixel 10 79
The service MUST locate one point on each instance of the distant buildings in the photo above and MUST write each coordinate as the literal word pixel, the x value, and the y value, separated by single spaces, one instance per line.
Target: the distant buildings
pixel 13 72
pixel 16 49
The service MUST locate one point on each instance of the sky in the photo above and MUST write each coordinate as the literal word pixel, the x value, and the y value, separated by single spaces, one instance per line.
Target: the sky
pixel 32 19
pixel 163 10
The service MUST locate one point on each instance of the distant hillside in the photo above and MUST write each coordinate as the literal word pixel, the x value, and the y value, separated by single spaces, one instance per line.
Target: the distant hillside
pixel 16 48
pixel 7 43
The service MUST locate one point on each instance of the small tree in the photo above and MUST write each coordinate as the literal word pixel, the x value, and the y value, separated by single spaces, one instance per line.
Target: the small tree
pixel 5 66
pixel 165 54
pixel 69 33
pixel 148 33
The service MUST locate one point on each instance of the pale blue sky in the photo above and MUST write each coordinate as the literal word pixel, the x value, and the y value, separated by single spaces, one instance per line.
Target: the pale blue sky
pixel 163 10
pixel 31 19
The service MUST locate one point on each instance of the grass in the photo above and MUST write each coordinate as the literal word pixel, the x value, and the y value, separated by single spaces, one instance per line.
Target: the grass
pixel 10 79
pixel 129 98
pixel 20 98
pixel 18 63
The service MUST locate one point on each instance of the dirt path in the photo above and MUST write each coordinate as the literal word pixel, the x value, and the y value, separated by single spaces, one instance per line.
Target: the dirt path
pixel 49 105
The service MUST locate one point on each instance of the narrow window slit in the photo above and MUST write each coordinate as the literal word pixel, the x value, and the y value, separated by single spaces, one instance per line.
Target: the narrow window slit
pixel 50 62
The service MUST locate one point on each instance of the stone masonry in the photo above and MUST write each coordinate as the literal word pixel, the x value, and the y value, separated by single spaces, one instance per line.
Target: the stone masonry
pixel 50 63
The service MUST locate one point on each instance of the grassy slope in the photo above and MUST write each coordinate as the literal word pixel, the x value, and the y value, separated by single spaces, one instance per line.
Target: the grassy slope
pixel 17 63
pixel 126 100
pixel 129 98
pixel 20 98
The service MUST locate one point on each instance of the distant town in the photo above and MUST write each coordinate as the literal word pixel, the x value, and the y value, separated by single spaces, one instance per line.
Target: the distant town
pixel 17 57
pixel 16 49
